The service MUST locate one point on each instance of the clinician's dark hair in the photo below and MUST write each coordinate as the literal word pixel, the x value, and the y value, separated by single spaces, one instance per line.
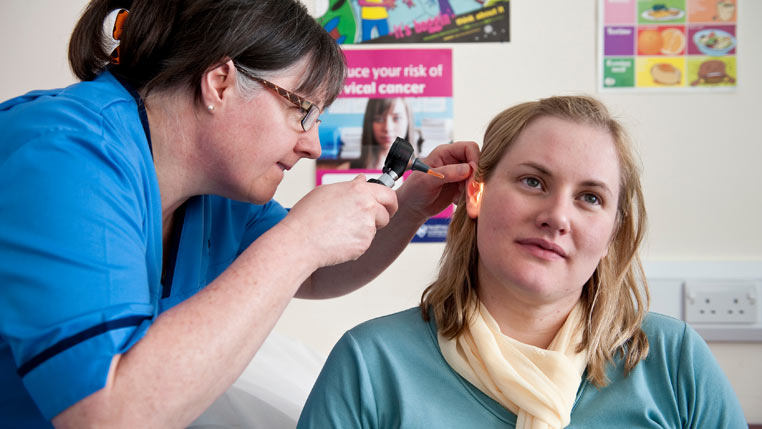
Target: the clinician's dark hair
pixel 170 44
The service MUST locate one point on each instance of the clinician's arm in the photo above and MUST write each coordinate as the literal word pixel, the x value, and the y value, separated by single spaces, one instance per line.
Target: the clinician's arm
pixel 420 197
pixel 196 350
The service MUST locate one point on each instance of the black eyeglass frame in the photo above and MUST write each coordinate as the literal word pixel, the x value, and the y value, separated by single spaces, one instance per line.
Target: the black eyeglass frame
pixel 310 109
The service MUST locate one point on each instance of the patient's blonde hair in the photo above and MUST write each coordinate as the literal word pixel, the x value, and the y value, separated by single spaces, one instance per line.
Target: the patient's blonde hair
pixel 614 302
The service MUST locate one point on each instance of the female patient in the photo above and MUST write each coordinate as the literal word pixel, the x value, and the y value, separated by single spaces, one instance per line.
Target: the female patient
pixel 536 319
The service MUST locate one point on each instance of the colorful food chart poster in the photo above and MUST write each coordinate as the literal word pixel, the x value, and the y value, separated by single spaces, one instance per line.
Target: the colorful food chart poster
pixel 672 45
pixel 388 94
pixel 414 21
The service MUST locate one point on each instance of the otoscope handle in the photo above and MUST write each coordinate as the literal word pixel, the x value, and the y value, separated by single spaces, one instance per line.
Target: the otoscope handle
pixel 385 179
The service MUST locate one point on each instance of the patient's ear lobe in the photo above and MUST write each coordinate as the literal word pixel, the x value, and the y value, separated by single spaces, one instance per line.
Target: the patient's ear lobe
pixel 474 192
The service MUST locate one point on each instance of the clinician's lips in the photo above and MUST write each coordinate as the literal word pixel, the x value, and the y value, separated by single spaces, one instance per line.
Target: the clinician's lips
pixel 542 248
pixel 284 167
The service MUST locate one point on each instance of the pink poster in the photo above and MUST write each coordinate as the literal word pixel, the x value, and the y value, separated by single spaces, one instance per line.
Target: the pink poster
pixel 388 93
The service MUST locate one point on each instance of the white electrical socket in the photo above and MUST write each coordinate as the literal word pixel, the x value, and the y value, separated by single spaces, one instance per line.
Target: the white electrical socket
pixel 731 301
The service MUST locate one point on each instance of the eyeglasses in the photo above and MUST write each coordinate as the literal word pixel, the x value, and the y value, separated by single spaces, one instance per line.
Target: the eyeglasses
pixel 310 109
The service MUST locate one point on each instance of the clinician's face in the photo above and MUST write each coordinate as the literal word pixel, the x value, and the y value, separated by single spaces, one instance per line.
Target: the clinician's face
pixel 391 124
pixel 261 138
pixel 547 213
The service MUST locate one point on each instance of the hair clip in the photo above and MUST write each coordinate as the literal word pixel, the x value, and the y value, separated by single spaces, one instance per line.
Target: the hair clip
pixel 114 35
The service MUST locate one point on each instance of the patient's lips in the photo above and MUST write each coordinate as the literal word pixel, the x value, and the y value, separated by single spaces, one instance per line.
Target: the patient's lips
pixel 542 249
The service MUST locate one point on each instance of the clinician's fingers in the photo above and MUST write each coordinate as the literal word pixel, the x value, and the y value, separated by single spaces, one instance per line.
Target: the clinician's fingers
pixel 454 172
pixel 454 153
pixel 385 197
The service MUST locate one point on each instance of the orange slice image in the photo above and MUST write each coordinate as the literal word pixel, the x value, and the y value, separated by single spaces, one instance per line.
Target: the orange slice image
pixel 672 41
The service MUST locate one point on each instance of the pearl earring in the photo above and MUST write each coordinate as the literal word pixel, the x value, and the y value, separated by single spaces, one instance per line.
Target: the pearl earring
pixel 210 108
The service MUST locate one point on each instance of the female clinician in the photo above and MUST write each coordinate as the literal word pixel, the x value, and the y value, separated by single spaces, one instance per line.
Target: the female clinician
pixel 143 258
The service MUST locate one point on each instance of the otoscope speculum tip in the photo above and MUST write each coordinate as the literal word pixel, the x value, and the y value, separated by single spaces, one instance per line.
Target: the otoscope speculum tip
pixel 419 165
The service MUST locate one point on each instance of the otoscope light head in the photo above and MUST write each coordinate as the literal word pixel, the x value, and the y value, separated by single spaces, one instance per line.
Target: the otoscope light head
pixel 398 160
pixel 398 157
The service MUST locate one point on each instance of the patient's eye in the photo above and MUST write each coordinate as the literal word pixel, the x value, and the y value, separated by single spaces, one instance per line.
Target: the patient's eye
pixel 532 182
pixel 591 199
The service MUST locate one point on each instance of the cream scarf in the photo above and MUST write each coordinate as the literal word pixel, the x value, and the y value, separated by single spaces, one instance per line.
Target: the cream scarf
pixel 537 385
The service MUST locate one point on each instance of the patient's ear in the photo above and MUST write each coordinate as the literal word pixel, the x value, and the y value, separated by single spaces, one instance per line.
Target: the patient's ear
pixel 474 192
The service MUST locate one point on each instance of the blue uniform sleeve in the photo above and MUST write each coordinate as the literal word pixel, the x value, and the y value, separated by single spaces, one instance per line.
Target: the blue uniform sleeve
pixel 234 227
pixel 342 396
pixel 705 397
pixel 73 246
pixel 261 219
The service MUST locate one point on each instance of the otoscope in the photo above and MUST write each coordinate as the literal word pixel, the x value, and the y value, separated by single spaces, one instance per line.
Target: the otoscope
pixel 398 160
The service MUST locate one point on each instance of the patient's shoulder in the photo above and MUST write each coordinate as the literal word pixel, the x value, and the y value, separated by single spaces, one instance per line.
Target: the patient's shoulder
pixel 661 329
pixel 404 320
pixel 670 339
pixel 656 322
pixel 404 327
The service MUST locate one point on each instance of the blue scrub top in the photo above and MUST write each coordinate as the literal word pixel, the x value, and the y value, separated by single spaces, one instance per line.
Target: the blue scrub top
pixel 81 243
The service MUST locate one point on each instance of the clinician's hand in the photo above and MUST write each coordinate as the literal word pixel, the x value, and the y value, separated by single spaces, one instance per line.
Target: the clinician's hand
pixel 424 195
pixel 340 220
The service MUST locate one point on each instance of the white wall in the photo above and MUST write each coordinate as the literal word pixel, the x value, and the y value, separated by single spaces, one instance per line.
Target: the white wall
pixel 700 151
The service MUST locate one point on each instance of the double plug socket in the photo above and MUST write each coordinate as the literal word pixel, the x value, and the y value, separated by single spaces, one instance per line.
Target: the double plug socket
pixel 719 302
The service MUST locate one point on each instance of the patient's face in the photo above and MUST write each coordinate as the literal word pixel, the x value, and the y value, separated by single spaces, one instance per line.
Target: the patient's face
pixel 547 213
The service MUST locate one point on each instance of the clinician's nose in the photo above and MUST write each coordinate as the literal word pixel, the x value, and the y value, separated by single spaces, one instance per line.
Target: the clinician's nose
pixel 555 214
pixel 308 144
